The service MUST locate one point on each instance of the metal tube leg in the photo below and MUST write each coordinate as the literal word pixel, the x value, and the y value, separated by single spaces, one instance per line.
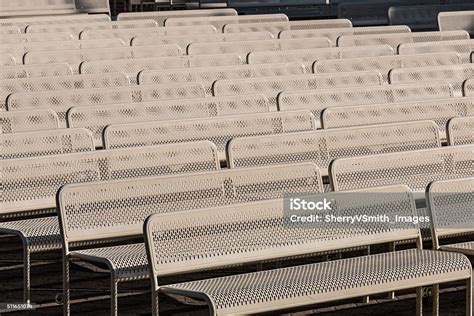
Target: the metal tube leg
pixel 419 301
pixel 26 273
pixel 435 296
pixel 113 295
pixel 66 292
pixel 469 296
pixel 155 299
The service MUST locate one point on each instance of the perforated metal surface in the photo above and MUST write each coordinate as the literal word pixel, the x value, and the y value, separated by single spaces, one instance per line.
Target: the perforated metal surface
pixel 454 74
pixel 460 130
pixel 207 76
pixel 61 101
pixel 9 30
pixel 97 118
pixel 271 87
pixel 413 168
pixel 396 39
pixel 26 121
pixel 22 23
pixel 462 47
pixel 45 143
pixel 7 60
pixel 42 37
pixel 219 130
pixel 256 46
pixel 384 64
pixel 320 24
pixel 463 20
pixel 220 21
pixel 272 27
pixel 318 100
pixel 34 71
pixel 468 88
pixel 324 146
pixel 23 85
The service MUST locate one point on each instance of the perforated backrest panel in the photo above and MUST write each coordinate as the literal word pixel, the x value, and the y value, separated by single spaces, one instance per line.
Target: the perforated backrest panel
pixel 207 76
pixel 34 71
pixel 461 130
pixel 22 23
pixel 318 100
pixel 26 121
pixel 462 47
pixel 449 21
pixel 272 86
pixel 41 37
pixel 7 60
pixel 9 30
pixel 219 130
pixel 32 183
pixel 61 101
pixel 129 203
pixel 413 168
pixel 468 88
pixel 263 231
pixel 272 27
pixel 320 24
pixel 45 143
pixel 96 118
pixel 220 21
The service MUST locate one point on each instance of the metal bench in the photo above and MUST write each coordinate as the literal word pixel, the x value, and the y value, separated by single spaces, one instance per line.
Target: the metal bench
pixel 7 60
pixel 168 194
pixel 61 101
pixel 468 88
pixel 449 21
pixel 318 100
pixel 132 67
pixel 245 47
pixel 320 24
pixel 208 75
pixel 33 38
pixel 34 71
pixel 396 39
pixel 96 118
pixel 220 21
pixel 384 64
pixel 454 74
pixel 26 121
pixel 309 56
pixel 184 40
pixel 37 7
pixel 76 57
pixel 263 231
pixel 460 130
pixel 44 143
pixel 271 87
pixel 439 110
pixel 334 34
pixel 323 146
pixel 22 23
pixel 30 185
pixel 160 17
pixel 463 47
pixel 219 130
pixel 23 85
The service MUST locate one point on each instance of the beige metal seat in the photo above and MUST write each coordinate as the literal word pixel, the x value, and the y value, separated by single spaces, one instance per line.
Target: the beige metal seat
pixel 463 47
pixel 169 194
pixel 245 47
pixel 460 130
pixel 454 74
pixel 261 231
pixel 9 30
pixel 34 71
pixel 160 17
pixel 208 75
pixel 26 121
pixel 462 20
pixel 23 85
pixel 219 130
pixel 220 21
pixel 320 24
pixel 318 100
pixel 28 38
pixel 60 101
pixel 271 87
pixel 384 64
pixel 400 38
pixel 44 143
pixel 8 60
pixel 23 22
pixel 323 146
pixel 96 118
pixel 37 7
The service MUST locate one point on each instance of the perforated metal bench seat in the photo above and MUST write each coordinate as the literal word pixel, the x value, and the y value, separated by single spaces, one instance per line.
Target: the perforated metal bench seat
pixel 323 282
pixel 466 248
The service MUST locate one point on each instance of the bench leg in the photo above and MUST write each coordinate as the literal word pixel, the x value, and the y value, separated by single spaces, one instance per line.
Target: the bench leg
pixel 155 299
pixel 419 301
pixel 435 297
pixel 26 273
pixel 113 295
pixel 469 296
pixel 66 292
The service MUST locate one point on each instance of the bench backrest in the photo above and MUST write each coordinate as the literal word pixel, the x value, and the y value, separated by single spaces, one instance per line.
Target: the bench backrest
pixel 61 101
pixel 8 60
pixel 318 100
pixel 129 203
pixel 320 24
pixel 34 38
pixel 220 21
pixel 334 34
pixel 22 85
pixel 45 143
pixel 245 47
pixel 271 27
pixel 32 183
pixel 208 75
pixel 262 231
pixel 468 88
pixel 463 47
pixel 22 23
pixel 36 7
pixel 450 205
pixel 271 87
pixel 96 118
pixel 34 71
pixel 26 121
pixel 449 21
pixel 219 130
pixel 454 74
pixel 384 64
pixel 160 17
pixel 413 168
pixel 9 30
pixel 460 130
pixel 399 38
